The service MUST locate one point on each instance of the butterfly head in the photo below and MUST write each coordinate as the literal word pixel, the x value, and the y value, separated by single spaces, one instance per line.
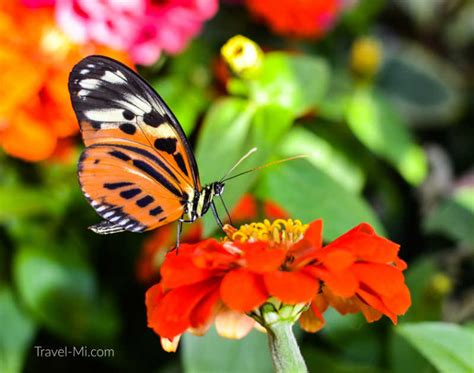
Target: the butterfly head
pixel 218 188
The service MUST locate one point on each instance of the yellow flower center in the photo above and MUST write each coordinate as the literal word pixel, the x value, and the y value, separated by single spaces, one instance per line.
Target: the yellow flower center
pixel 280 231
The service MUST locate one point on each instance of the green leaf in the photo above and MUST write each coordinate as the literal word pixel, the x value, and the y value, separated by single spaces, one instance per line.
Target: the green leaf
pixel 212 353
pixel 61 293
pixel 427 300
pixel 19 202
pixel 308 193
pixel 297 83
pixel 455 216
pixel 447 346
pixel 425 89
pixel 16 333
pixel 352 337
pixel 360 17
pixel 319 360
pixel 323 155
pixel 403 357
pixel 231 129
pixel 187 101
pixel 184 86
pixel 382 130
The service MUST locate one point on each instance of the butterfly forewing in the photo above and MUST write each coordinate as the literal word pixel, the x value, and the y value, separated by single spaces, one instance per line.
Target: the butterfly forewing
pixel 138 170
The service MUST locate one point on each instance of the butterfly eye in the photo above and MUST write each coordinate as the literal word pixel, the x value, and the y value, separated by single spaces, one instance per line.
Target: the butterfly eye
pixel 218 188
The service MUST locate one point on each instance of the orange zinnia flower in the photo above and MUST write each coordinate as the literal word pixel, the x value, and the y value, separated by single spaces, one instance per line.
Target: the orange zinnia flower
pixel 159 242
pixel 265 268
pixel 35 60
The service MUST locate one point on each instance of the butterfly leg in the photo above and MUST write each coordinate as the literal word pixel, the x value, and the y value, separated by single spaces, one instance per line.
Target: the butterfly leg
pixel 178 232
pixel 180 229
pixel 216 216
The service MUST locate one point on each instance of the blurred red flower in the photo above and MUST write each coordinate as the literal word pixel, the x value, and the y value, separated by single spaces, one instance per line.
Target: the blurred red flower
pixel 282 263
pixel 300 18
pixel 143 28
pixel 35 59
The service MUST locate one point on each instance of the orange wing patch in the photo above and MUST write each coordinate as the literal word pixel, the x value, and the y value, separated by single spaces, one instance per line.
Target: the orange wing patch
pixel 137 198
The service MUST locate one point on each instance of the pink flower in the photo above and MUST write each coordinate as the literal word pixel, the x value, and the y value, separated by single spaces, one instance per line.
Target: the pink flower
pixel 144 28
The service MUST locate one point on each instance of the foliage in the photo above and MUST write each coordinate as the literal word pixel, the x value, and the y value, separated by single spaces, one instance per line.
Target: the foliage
pixel 391 146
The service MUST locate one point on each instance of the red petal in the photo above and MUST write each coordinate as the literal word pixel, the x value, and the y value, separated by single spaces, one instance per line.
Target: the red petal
pixel 291 287
pixel 310 322
pixel 341 304
pixel 314 234
pixel 343 284
pixel 152 297
pixel 375 302
pixel 339 260
pixel 246 208
pixel 381 278
pixel 366 245
pixel 211 254
pixel 232 324
pixel 260 258
pixel 400 302
pixel 180 270
pixel 273 211
pixel 204 310
pixel 319 305
pixel 370 314
pixel 242 290
pixel 171 316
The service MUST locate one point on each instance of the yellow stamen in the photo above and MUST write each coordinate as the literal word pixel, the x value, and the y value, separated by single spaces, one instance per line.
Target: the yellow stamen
pixel 280 231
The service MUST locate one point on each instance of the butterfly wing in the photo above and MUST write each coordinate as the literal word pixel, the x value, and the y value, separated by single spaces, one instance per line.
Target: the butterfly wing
pixel 138 170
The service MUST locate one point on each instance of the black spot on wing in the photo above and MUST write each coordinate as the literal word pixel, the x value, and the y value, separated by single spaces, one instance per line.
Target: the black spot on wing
pixel 145 167
pixel 96 161
pixel 157 210
pixel 180 162
pixel 167 144
pixel 120 155
pixel 113 186
pixel 127 194
pixel 128 115
pixel 145 201
pixel 153 119
pixel 128 128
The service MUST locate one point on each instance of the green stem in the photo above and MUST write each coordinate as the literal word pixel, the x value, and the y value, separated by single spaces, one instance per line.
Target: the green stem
pixel 284 349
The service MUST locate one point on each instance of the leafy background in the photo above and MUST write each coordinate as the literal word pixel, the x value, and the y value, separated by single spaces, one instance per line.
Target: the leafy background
pixel 393 147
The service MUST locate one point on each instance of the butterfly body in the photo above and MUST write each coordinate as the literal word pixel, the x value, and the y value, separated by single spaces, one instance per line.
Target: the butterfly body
pixel 137 171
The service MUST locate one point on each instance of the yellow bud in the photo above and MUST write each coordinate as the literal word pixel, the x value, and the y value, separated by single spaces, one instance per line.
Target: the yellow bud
pixel 366 56
pixel 441 284
pixel 243 56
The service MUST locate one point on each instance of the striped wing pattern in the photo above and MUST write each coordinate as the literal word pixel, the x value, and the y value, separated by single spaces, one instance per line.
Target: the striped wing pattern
pixel 137 170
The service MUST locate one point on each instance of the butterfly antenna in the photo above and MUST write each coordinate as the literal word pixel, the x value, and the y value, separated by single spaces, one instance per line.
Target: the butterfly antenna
pixel 250 152
pixel 266 165
pixel 225 208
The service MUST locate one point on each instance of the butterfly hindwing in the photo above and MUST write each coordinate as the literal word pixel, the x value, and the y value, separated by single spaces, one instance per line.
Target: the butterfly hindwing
pixel 126 188
pixel 137 170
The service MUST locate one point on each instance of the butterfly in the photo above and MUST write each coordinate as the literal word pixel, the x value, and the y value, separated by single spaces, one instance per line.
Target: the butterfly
pixel 137 170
